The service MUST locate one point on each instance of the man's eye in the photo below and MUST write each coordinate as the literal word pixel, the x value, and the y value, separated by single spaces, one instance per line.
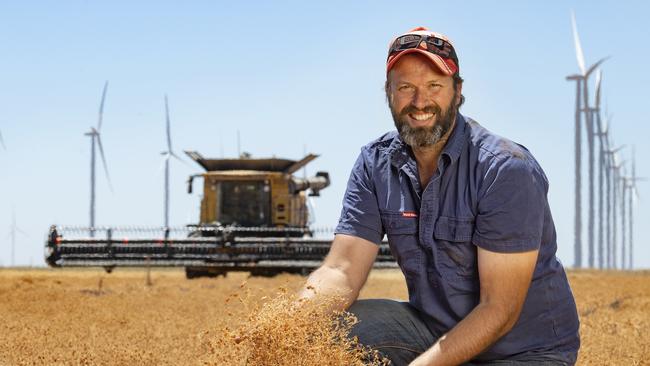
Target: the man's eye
pixel 404 88
pixel 434 86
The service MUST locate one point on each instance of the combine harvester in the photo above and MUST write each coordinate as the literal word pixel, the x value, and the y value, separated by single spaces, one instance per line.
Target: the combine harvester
pixel 254 217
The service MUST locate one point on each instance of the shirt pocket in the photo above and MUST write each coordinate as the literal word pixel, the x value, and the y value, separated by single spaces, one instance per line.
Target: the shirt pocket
pixel 456 255
pixel 402 234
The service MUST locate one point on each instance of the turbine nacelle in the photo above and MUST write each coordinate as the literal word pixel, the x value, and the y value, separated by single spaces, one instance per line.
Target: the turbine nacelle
pixel 92 132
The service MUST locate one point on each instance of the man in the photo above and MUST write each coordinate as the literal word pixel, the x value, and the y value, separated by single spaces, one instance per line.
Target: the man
pixel 467 218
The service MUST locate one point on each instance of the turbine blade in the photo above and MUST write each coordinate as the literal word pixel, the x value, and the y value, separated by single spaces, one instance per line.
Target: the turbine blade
pixel 634 164
pixel 2 142
pixel 169 135
pixel 595 66
pixel 20 231
pixel 101 153
pixel 179 159
pixel 636 196
pixel 101 107
pixel 576 41
pixel 599 79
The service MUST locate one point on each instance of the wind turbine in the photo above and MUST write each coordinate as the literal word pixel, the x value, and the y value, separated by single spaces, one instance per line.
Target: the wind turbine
pixel 168 154
pixel 582 105
pixel 12 234
pixel 95 140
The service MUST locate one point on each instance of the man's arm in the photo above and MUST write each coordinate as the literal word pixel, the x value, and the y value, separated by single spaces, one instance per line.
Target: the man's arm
pixel 505 279
pixel 344 271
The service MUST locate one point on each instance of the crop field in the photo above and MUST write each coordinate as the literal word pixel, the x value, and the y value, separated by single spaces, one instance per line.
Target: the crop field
pixel 88 317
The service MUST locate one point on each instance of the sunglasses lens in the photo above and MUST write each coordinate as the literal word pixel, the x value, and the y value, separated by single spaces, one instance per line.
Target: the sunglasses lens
pixel 439 47
pixel 406 42
pixel 436 42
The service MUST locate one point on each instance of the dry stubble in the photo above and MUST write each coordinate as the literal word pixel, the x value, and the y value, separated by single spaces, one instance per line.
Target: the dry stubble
pixel 64 317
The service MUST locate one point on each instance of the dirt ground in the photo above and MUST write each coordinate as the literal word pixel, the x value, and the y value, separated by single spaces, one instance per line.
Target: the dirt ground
pixel 87 317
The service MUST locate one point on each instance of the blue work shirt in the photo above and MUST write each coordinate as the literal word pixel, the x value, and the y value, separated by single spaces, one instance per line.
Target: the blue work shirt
pixel 488 192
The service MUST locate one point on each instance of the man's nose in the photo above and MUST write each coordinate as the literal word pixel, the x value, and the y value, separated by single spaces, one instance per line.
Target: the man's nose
pixel 420 100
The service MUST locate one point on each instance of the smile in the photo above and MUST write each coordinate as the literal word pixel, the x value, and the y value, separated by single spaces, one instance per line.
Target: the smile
pixel 421 116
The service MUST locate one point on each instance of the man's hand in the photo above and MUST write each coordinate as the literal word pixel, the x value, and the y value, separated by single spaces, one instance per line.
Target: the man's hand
pixel 505 279
pixel 344 271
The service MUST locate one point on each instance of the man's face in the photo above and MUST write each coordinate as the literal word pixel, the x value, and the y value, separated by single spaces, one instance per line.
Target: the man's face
pixel 422 100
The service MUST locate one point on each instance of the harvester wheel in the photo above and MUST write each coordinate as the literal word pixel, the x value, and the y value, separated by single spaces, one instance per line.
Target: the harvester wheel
pixel 109 269
pixel 265 272
pixel 192 272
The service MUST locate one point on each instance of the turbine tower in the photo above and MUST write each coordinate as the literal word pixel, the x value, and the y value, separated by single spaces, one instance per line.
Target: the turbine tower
pixel 95 140
pixel 582 106
pixel 601 134
pixel 577 222
pixel 12 234
pixel 633 195
pixel 616 192
pixel 609 186
pixel 624 189
pixel 168 154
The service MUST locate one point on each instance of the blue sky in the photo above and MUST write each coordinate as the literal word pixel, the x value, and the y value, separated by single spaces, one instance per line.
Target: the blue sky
pixel 285 75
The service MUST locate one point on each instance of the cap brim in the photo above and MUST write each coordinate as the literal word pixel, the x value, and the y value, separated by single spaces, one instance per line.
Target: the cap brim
pixel 437 60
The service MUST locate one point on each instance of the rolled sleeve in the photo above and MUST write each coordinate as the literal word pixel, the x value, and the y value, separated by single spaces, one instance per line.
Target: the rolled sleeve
pixel 511 207
pixel 360 213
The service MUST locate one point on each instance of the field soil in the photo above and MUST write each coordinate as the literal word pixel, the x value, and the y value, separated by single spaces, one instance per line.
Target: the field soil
pixel 88 317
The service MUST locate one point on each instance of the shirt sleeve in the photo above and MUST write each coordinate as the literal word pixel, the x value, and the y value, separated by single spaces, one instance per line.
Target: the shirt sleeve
pixel 360 213
pixel 512 206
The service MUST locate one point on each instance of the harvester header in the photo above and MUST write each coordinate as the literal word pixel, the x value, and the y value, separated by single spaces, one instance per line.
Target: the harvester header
pixel 254 217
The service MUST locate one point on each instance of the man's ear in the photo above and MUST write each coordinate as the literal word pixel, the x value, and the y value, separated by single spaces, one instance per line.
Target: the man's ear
pixel 459 93
pixel 387 91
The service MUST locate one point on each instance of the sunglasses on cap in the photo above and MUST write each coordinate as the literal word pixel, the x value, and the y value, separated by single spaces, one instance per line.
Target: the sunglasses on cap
pixel 435 45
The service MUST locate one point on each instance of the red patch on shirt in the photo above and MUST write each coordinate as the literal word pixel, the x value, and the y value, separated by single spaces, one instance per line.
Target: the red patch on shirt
pixel 409 214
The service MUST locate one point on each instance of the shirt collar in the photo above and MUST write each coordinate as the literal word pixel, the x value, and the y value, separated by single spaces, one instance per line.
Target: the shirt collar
pixel 399 152
pixel 457 139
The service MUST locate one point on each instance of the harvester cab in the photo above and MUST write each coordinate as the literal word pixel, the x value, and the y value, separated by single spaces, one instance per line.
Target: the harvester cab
pixel 261 193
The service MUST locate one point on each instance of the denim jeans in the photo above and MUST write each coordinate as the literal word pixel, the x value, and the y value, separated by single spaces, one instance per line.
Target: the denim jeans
pixel 401 333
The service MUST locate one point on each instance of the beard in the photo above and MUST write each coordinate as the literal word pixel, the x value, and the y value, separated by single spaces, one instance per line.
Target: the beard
pixel 419 137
